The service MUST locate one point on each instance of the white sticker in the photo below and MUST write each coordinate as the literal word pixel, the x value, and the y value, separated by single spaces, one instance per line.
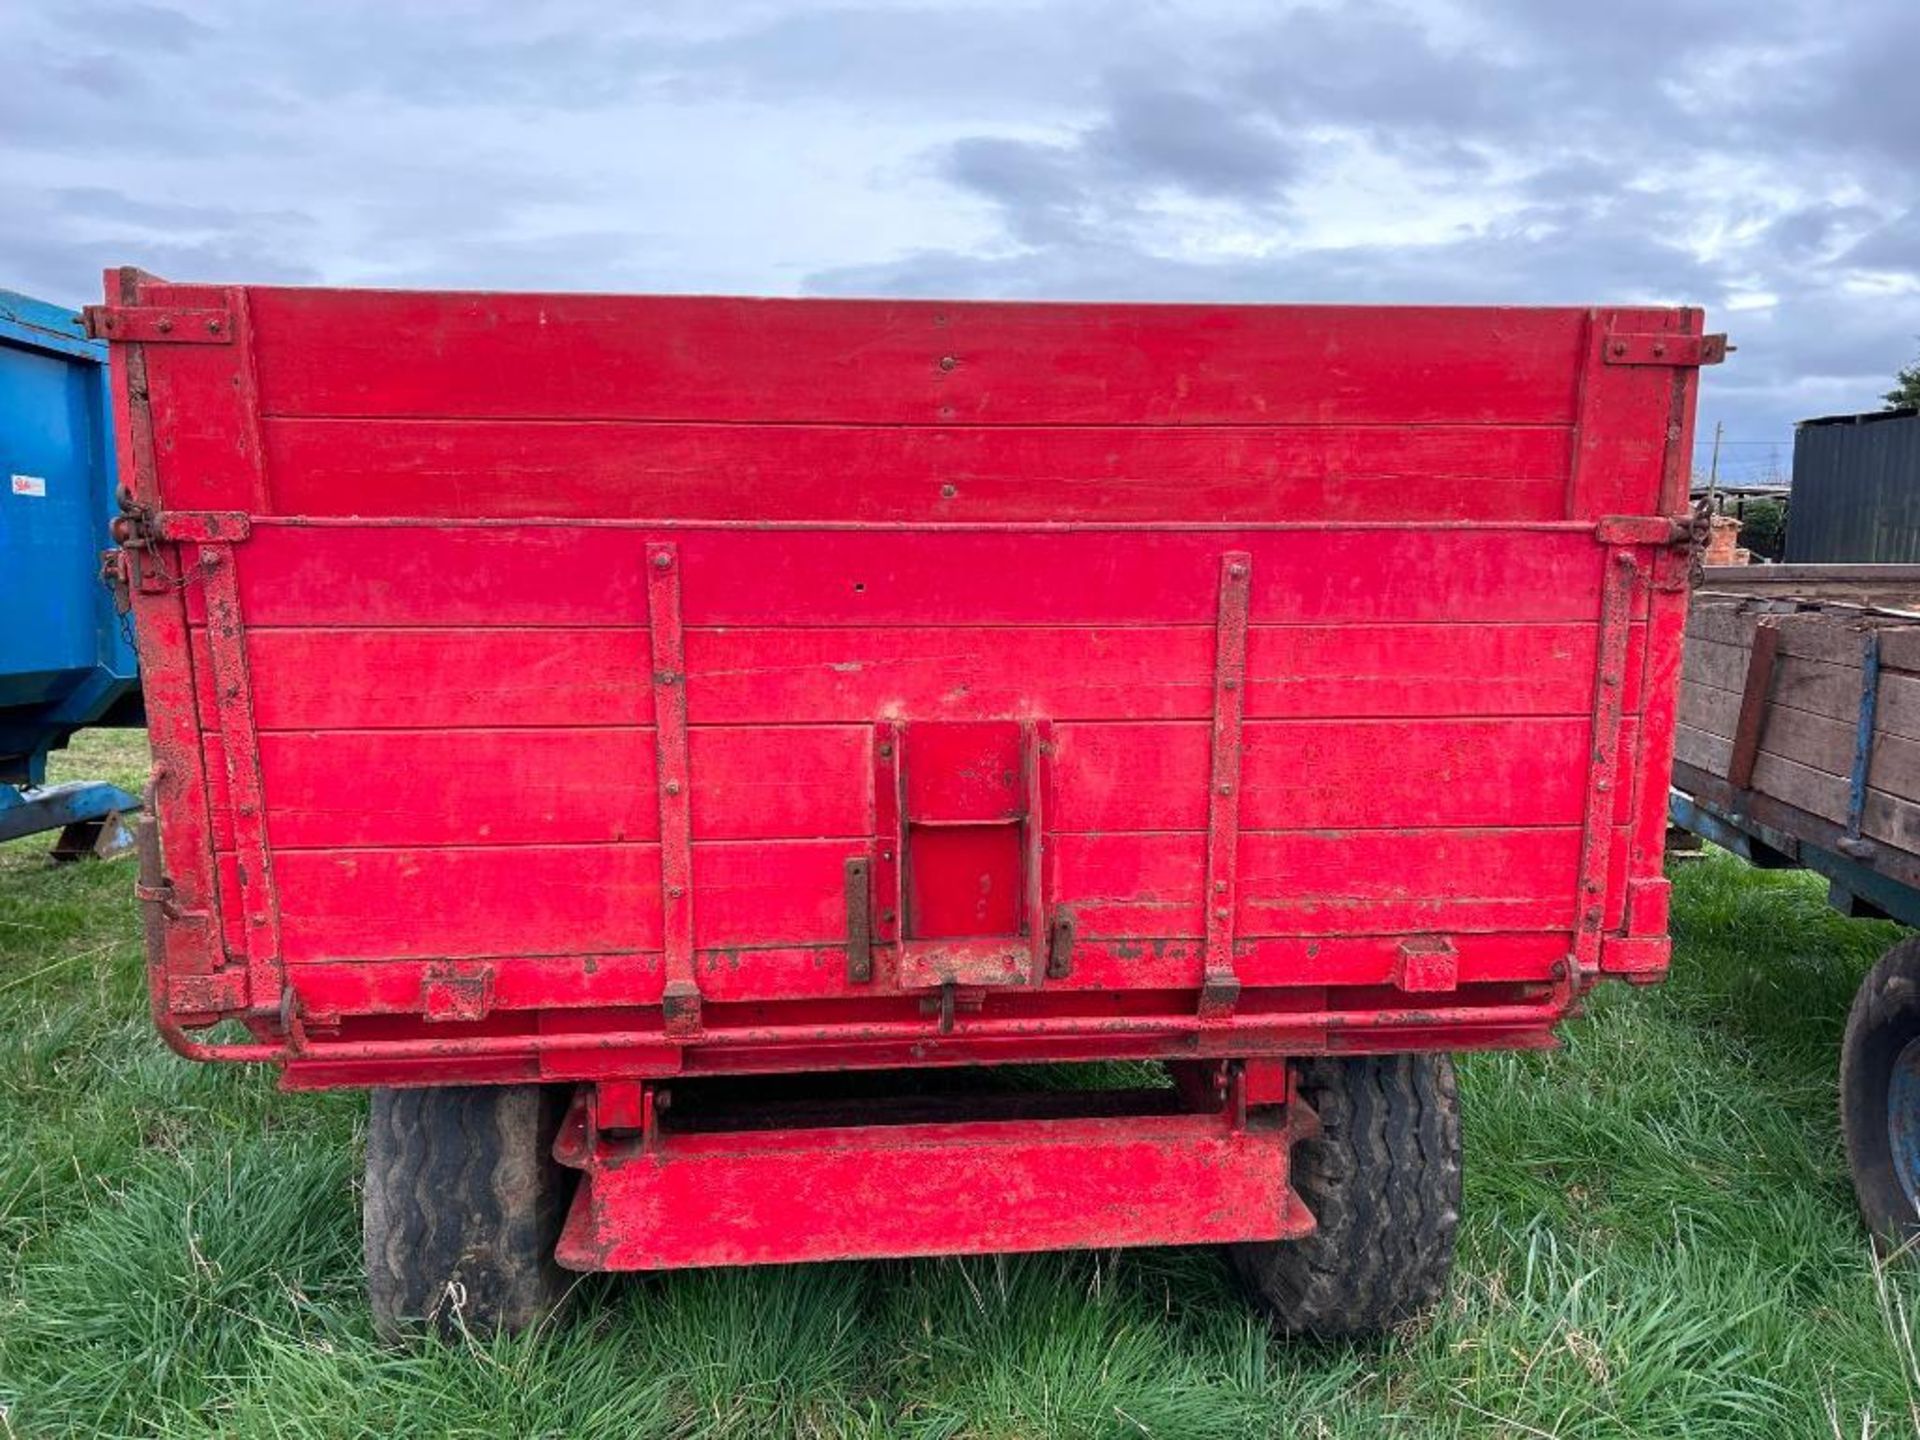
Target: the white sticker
pixel 30 485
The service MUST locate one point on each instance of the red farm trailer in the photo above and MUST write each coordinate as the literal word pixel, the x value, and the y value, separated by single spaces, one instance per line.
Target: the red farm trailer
pixel 673 749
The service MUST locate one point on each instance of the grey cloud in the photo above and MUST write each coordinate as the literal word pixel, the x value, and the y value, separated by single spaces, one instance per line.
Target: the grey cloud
pixel 145 27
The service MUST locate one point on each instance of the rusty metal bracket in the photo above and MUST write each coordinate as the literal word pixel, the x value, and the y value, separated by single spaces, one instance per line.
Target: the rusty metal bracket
pixel 1219 985
pixel 680 999
pixel 159 325
pixel 859 880
pixel 456 991
pixel 1060 937
pixel 1596 841
pixel 1036 751
pixel 205 527
pixel 233 704
pixel 1665 348
pixel 887 874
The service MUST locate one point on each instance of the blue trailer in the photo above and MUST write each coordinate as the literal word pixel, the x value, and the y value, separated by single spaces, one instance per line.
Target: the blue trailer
pixel 66 652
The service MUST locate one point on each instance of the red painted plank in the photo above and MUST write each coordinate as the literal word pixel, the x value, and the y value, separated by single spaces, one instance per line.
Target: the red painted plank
pixel 385 575
pixel 551 786
pixel 468 678
pixel 1107 577
pixel 1373 774
pixel 488 679
pixel 1326 883
pixel 766 676
pixel 505 469
pixel 549 899
pixel 394 353
pixel 458 902
pixel 362 575
pixel 329 989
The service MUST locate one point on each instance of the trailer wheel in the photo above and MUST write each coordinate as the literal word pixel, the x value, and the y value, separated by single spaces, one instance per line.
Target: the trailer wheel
pixel 1382 1179
pixel 1880 1095
pixel 463 1207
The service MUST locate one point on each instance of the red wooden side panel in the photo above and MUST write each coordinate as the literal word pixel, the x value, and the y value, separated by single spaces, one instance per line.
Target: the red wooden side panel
pixel 946 591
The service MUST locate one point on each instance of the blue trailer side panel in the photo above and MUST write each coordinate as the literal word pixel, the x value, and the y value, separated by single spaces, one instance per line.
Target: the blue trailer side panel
pixel 65 656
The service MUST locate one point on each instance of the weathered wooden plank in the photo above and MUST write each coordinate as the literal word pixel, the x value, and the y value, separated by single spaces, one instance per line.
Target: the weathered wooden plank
pixel 1815 741
pixel 1891 818
pixel 1811 685
pixel 1895 586
pixel 1831 635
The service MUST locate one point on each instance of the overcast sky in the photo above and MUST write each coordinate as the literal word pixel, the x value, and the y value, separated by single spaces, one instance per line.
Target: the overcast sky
pixel 1757 157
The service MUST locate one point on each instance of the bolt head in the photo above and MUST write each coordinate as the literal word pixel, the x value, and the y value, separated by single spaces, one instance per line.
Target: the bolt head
pixel 663 561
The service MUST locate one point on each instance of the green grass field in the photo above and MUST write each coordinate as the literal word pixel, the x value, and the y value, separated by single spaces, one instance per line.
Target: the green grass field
pixel 1659 1241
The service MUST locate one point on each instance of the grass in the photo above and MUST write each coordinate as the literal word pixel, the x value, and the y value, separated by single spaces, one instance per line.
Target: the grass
pixel 1659 1240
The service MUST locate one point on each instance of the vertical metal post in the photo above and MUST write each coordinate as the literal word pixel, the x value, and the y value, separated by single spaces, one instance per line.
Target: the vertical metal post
pixel 1863 737
pixel 1037 756
pixel 1603 757
pixel 1219 985
pixel 240 740
pixel 680 999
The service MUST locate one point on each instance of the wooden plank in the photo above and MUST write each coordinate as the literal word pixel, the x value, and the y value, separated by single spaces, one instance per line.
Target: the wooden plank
pixel 460 678
pixel 338 679
pixel 748 975
pixel 1328 882
pixel 623 470
pixel 1891 818
pixel 1831 635
pixel 549 786
pixel 766 676
pixel 1893 861
pixel 1893 586
pixel 466 902
pixel 392 575
pixel 1105 577
pixel 527 574
pixel 1812 740
pixel 891 362
pixel 1368 774
pixel 1811 685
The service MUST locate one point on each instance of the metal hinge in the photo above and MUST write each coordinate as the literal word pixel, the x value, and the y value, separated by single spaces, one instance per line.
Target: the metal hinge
pixel 159 325
pixel 1661 348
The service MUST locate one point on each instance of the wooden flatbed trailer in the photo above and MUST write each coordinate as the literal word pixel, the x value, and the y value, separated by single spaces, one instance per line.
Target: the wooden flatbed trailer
pixel 1799 745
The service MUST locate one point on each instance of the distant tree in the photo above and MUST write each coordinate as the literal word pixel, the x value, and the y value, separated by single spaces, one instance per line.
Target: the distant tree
pixel 1763 528
pixel 1906 389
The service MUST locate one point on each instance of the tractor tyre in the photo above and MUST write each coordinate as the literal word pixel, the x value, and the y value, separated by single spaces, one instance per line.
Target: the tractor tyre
pixel 1880 1096
pixel 463 1207
pixel 1382 1179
